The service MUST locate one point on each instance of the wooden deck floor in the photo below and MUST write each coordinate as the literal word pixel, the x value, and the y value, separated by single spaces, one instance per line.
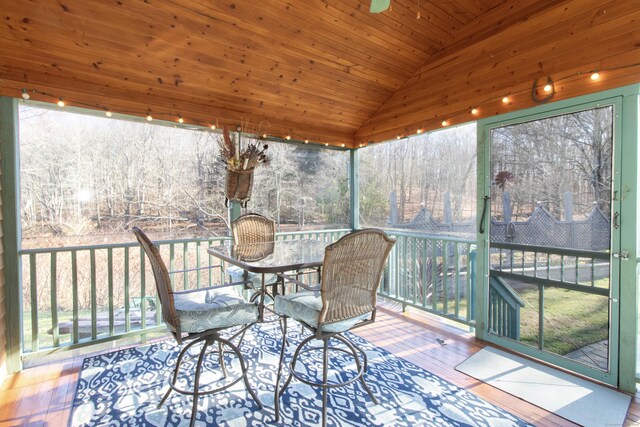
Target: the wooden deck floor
pixel 42 396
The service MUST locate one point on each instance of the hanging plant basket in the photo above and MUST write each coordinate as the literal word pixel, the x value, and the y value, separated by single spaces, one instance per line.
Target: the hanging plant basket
pixel 239 185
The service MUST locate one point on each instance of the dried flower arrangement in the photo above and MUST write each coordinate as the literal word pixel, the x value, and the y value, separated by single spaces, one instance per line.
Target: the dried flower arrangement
pixel 253 155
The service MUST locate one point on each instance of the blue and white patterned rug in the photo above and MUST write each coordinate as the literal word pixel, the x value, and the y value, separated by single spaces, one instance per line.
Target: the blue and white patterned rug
pixel 124 387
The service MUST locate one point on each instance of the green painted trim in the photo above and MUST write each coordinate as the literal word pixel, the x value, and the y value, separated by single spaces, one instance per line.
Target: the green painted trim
pixel 553 359
pixel 234 212
pixel 86 342
pixel 481 306
pixel 11 231
pixel 567 104
pixel 354 189
pixel 620 172
pixel 168 123
pixel 629 241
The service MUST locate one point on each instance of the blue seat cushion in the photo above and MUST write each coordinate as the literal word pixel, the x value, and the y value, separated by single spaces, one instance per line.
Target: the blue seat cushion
pixel 237 275
pixel 305 306
pixel 206 309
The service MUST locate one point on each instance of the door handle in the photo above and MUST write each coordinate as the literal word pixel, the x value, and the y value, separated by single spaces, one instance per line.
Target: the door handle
pixel 484 213
pixel 624 255
pixel 616 220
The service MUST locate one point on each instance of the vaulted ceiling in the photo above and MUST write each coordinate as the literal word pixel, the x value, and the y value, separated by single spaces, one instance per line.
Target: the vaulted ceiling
pixel 324 70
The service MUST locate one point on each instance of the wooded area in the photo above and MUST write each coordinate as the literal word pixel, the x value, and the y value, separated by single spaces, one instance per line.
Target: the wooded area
pixel 83 175
pixel 418 172
pixel 539 161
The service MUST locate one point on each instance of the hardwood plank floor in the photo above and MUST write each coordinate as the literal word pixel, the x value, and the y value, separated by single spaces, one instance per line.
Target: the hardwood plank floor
pixel 42 395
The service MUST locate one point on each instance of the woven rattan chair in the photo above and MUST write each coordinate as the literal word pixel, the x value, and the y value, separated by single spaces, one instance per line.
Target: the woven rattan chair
pixel 351 275
pixel 198 317
pixel 246 229
pixel 253 228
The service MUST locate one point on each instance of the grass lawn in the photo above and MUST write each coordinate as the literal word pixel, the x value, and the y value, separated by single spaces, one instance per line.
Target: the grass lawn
pixel 571 319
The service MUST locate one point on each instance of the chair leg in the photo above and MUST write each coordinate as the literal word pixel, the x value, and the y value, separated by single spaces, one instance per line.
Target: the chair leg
pixel 223 368
pixel 196 382
pixel 276 400
pixel 355 350
pixel 294 361
pixel 176 370
pixel 325 366
pixel 243 368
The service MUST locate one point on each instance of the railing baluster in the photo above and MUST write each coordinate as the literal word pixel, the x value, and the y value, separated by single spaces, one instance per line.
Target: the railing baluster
pixel 499 317
pixel 541 317
pixel 54 299
pixel 470 282
pixel 395 279
pixel 457 280
pixel 185 265
pixel 198 282
pixel 172 262
pixel 74 284
pixel 210 272
pixel 548 265
pixel 425 278
pixel 112 328
pixel 34 302
pixel 434 274
pixel 143 290
pixel 94 296
pixel 413 270
pixel 127 314
pixel 445 277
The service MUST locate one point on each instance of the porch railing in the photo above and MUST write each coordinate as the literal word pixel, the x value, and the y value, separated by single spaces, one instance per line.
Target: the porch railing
pixel 433 273
pixel 76 296
pixel 504 309
pixel 584 271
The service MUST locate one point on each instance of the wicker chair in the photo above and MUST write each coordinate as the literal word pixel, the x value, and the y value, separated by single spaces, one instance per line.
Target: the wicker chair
pixel 198 317
pixel 246 229
pixel 351 275
pixel 253 228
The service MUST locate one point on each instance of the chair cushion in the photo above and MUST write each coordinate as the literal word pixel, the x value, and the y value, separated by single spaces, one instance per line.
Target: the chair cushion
pixel 305 306
pixel 237 275
pixel 212 309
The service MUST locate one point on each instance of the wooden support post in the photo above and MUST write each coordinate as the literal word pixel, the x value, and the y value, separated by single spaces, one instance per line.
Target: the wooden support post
pixel 11 231
pixel 354 189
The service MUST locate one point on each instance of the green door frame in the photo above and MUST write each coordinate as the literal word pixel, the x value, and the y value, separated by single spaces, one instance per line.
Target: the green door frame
pixel 624 305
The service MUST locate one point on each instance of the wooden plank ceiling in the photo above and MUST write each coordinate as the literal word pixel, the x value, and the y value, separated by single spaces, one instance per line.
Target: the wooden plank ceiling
pixel 324 70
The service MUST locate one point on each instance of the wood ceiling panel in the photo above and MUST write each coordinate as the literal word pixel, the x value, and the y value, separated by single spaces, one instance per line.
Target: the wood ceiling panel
pixel 575 35
pixel 322 69
pixel 192 45
pixel 323 86
pixel 517 61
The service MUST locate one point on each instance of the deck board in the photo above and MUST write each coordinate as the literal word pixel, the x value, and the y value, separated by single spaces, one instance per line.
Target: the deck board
pixel 43 395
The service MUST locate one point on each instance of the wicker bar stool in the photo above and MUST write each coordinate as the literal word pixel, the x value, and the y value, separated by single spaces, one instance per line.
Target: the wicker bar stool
pixel 198 317
pixel 246 229
pixel 346 300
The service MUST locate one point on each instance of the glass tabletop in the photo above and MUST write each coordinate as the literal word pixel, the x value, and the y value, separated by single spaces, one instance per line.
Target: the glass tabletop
pixel 272 257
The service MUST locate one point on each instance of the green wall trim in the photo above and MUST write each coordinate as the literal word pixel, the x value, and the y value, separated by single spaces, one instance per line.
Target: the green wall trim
pixel 11 231
pixel 625 302
pixel 559 105
pixel 354 189
pixel 629 217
